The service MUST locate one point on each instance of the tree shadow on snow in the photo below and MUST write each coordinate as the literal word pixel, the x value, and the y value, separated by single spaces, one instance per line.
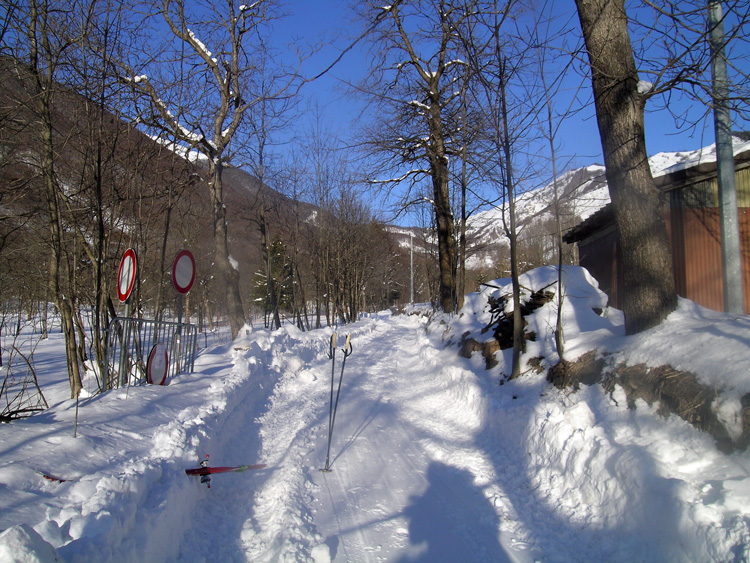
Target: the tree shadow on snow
pixel 438 523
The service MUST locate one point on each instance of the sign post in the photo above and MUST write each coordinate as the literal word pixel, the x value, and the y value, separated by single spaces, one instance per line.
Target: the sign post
pixel 183 276
pixel 126 276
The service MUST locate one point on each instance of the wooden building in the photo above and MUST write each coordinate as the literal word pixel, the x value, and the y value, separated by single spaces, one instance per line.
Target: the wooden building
pixel 692 218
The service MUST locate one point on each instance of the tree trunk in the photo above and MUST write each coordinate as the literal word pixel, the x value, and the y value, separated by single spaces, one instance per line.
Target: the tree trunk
pixel 443 212
pixel 61 301
pixel 163 259
pixel 227 272
pixel 266 253
pixel 511 230
pixel 649 290
pixel 43 75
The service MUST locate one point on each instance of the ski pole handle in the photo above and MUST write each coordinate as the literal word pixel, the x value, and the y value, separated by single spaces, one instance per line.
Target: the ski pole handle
pixel 332 347
pixel 347 349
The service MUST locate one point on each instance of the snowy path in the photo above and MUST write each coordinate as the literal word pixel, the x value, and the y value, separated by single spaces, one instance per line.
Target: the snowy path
pixel 407 480
pixel 402 484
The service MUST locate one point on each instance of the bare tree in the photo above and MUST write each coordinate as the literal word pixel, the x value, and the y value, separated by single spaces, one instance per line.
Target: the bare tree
pixel 672 52
pixel 265 119
pixel 209 115
pixel 416 73
pixel 299 235
pixel 540 39
pixel 50 33
pixel 507 118
pixel 468 172
pixel 324 167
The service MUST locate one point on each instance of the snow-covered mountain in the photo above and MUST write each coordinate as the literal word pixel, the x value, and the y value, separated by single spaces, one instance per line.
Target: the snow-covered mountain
pixel 582 192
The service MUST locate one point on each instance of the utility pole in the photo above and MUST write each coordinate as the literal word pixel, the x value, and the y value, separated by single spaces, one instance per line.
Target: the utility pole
pixel 730 234
pixel 411 266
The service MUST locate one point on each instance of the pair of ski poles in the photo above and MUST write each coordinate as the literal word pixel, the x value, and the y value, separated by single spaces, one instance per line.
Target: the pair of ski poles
pixel 347 351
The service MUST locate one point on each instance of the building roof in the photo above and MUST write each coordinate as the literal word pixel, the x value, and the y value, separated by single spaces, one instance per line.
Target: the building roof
pixel 679 177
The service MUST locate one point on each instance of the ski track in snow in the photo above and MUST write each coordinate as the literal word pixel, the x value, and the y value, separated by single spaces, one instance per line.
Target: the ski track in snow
pixel 415 424
pixel 405 471
pixel 405 468
pixel 430 462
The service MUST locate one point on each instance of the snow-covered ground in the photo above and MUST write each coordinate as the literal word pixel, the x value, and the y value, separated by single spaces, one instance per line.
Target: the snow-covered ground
pixel 431 459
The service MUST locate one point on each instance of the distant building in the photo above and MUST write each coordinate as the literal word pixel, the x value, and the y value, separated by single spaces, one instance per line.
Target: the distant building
pixel 692 217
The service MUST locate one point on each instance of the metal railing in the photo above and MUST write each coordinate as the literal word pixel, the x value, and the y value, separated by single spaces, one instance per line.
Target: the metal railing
pixel 129 342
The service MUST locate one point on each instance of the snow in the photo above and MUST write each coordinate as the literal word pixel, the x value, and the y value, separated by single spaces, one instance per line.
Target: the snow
pixel 22 544
pixel 180 150
pixel 420 105
pixel 244 7
pixel 666 163
pixel 200 46
pixel 431 459
pixel 644 86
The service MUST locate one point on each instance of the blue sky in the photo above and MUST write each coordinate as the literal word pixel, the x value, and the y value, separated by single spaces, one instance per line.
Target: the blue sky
pixel 330 18
pixel 578 138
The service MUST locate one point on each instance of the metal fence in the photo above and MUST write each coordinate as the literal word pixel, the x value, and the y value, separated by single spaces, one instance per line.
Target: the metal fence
pixel 129 342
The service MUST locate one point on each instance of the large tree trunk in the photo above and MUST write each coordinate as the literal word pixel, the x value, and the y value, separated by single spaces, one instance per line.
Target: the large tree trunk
pixel 443 211
pixel 649 291
pixel 227 272
pixel 446 240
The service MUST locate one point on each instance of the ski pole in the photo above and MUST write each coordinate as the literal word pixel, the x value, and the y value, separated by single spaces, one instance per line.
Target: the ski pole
pixel 347 351
pixel 332 356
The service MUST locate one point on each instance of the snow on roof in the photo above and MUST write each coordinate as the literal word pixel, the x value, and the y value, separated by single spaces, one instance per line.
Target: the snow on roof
pixel 664 163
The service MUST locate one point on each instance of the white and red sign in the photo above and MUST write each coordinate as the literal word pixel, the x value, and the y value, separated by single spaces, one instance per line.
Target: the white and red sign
pixel 183 271
pixel 126 274
pixel 158 364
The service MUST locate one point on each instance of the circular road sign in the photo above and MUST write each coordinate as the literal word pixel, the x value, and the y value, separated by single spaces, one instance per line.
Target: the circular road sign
pixel 158 362
pixel 126 275
pixel 183 271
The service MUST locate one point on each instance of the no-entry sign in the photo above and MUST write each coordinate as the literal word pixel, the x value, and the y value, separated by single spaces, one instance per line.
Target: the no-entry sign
pixel 158 365
pixel 183 271
pixel 126 275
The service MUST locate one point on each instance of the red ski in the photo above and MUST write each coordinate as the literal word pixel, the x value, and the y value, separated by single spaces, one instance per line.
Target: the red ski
pixel 51 477
pixel 204 471
pixel 212 470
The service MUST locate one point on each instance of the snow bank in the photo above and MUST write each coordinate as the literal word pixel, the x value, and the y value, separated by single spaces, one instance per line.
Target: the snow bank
pixel 21 544
pixel 634 480
pixel 714 346
pixel 125 496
